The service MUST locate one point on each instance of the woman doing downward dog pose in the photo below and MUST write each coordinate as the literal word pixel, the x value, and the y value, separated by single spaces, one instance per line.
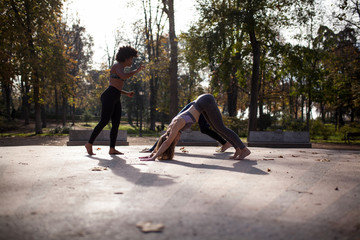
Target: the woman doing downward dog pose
pixel 110 99
pixel 205 104
pixel 204 128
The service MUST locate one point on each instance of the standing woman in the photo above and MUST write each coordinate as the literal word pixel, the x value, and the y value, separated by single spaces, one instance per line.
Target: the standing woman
pixel 110 99
pixel 205 104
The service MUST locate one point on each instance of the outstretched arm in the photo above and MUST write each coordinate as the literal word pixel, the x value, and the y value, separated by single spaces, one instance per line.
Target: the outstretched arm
pixel 129 94
pixel 174 131
pixel 120 72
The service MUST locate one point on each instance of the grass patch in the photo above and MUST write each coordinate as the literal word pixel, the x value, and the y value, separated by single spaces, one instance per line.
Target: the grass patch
pixel 132 131
pixel 32 134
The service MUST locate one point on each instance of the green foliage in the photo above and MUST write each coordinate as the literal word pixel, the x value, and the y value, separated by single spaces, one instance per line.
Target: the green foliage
pixel 60 130
pixel 318 128
pixel 290 124
pixel 5 125
pixel 238 126
pixel 349 128
pixel 295 125
pixel 86 117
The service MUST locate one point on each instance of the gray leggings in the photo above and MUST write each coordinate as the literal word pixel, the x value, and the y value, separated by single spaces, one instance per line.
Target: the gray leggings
pixel 206 105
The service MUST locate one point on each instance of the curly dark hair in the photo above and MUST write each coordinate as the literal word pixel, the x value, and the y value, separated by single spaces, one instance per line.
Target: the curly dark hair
pixel 125 53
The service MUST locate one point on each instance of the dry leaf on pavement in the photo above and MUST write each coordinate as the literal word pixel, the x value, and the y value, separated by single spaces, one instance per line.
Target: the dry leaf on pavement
pixel 147 227
pixel 323 160
pixel 98 168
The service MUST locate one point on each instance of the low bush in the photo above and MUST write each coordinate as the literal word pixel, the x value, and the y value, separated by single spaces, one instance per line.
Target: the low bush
pixel 60 130
pixel 238 126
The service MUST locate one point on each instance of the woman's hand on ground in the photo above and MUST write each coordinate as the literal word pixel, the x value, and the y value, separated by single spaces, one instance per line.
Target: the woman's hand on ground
pixel 146 158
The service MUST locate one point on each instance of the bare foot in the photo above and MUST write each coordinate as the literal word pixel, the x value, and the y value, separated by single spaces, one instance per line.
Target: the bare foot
pixel 89 150
pixel 224 147
pixel 240 154
pixel 113 151
pixel 145 150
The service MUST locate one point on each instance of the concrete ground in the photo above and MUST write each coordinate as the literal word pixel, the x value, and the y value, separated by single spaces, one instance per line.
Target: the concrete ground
pixel 54 192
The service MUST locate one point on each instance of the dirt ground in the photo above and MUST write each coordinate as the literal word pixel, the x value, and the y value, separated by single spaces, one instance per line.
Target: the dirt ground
pixel 61 141
pixel 146 141
pixel 54 140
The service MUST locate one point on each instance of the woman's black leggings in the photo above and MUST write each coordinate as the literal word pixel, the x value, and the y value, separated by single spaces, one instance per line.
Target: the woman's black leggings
pixel 111 109
pixel 207 106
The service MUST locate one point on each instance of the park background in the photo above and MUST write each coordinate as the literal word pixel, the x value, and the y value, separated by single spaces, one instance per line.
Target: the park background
pixel 289 65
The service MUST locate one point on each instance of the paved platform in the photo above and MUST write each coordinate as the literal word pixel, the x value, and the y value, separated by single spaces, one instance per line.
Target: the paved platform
pixel 59 192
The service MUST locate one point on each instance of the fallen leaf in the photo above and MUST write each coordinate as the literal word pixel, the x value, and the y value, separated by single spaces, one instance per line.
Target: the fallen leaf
pixel 323 160
pixel 281 156
pixel 182 148
pixel 98 148
pixel 99 168
pixel 147 227
pixel 268 159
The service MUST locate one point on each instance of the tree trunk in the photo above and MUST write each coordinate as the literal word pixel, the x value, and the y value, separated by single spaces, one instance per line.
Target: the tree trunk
pixel 38 129
pixel 151 57
pixel 153 95
pixel 43 116
pixel 255 44
pixel 73 114
pixel 64 111
pixel 261 94
pixel 352 115
pixel 341 119
pixel 309 106
pixel 130 112
pixel 291 102
pixel 296 107
pixel 25 99
pixel 6 88
pixel 322 109
pixel 232 94
pixel 302 107
pixel 56 106
pixel 174 99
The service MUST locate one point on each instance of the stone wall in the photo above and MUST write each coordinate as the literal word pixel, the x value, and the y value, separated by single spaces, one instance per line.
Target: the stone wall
pixel 279 139
pixel 80 137
pixel 196 138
